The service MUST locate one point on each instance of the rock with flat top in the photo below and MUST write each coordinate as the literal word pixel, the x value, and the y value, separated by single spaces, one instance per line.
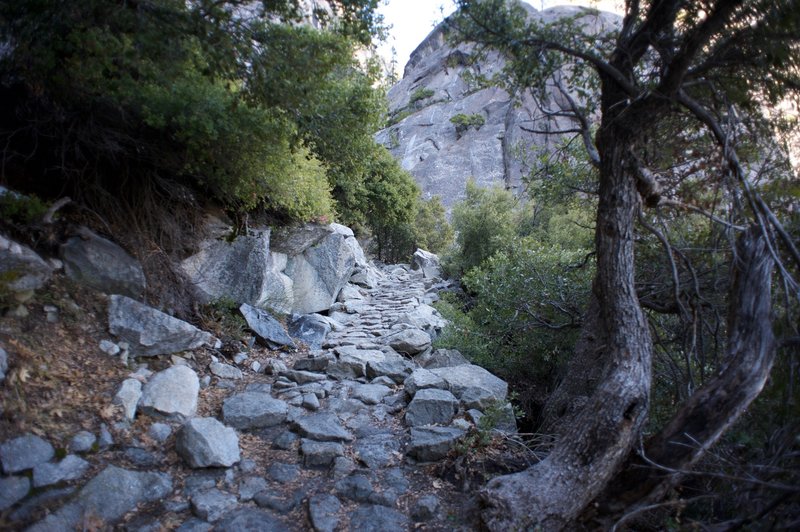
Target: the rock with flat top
pixel 24 452
pixel 171 393
pixel 205 442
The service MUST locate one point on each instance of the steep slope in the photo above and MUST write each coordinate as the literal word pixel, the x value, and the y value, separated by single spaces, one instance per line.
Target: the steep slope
pixel 437 86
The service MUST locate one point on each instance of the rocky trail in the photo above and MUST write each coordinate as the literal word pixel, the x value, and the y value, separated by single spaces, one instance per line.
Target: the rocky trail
pixel 350 431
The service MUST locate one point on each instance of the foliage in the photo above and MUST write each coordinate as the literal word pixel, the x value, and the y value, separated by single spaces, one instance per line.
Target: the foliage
pixel 464 122
pixel 420 94
pixel 20 209
pixel 256 111
pixel 432 230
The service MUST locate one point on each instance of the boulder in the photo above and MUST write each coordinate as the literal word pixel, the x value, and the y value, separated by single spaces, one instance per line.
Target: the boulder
pixel 421 379
pixel 392 366
pixel 108 497
pixel 431 406
pixel 150 332
pixel 267 328
pixel 409 341
pixel 320 273
pixel 244 270
pixel 21 268
pixel 433 443
pixel 440 358
pixel 311 329
pixel 101 264
pixel 205 442
pixel 253 410
pixel 473 385
pixel 425 318
pixel 24 452
pixel 427 263
pixel 128 397
pixel 294 240
pixel 171 393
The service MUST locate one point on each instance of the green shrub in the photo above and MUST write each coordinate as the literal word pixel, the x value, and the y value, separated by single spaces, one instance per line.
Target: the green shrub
pixel 464 122
pixel 419 95
pixel 432 231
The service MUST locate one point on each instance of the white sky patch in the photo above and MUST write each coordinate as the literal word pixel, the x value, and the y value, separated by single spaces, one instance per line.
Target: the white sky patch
pixel 413 20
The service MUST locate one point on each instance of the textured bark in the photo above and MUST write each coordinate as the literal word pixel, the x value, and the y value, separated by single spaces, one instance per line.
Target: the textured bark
pixel 552 493
pixel 650 474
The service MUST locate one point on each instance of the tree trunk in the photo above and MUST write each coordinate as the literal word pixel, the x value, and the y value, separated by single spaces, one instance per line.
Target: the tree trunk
pixel 552 493
pixel 651 473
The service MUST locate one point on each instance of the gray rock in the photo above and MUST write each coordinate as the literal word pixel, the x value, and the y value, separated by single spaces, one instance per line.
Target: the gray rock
pixel 431 407
pixel 320 453
pixel 92 260
pixel 213 504
pixel 310 329
pixel 349 293
pixel 365 277
pixel 142 458
pixel 320 273
pixel 13 490
pixel 105 440
pixel 409 341
pixel 24 452
pixel 323 511
pixel 353 361
pixel 108 496
pixel 82 442
pixel 285 440
pixel 313 363
pixel 423 317
pixel 371 394
pixel 225 371
pixel 323 426
pixel 294 240
pixel 205 442
pixel 21 268
pixel 194 525
pixel 172 392
pixel 281 504
pixel 3 364
pixel 357 488
pixel 395 367
pixel 253 410
pixel 433 443
pixel 421 379
pixel 502 420
pixel 248 487
pixel 377 450
pixel 342 466
pixel 376 518
pixel 426 508
pixel 426 262
pixel 267 328
pixel 250 520
pixel 310 401
pixel 273 366
pixel 128 397
pixel 150 332
pixel 110 348
pixel 473 385
pixel 36 504
pixel 243 270
pixel 302 377
pixel 70 468
pixel 160 432
pixel 441 358
pixel 282 473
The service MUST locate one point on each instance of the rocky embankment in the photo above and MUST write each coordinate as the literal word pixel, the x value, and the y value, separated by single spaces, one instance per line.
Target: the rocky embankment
pixel 337 425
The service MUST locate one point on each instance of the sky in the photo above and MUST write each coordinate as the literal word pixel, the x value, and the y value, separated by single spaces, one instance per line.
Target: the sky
pixel 413 20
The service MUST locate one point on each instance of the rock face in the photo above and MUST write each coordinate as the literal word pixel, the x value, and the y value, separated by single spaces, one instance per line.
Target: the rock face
pixel 102 264
pixel 442 155
pixel 150 332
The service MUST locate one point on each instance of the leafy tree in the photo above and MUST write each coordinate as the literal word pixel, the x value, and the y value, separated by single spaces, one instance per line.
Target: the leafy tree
pixel 433 232
pixel 672 74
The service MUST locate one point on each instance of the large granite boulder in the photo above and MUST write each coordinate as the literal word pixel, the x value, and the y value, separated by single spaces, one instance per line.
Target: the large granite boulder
pixel 97 262
pixel 21 268
pixel 426 262
pixel 150 332
pixel 320 272
pixel 243 270
pixel 267 328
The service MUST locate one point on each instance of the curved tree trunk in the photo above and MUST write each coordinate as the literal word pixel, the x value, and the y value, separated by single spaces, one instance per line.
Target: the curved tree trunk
pixel 552 493
pixel 652 472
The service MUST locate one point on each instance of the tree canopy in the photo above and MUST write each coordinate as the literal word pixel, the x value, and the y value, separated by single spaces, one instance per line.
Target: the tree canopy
pixel 670 105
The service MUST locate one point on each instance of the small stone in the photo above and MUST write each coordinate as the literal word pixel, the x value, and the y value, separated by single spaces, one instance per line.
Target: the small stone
pixel 194 524
pixel 323 426
pixel 281 505
pixel 247 519
pixel 421 379
pixel 70 468
pixel 323 512
pixel 249 486
pixel 312 364
pixel 357 488
pixel 238 358
pixel 273 366
pixel 426 508
pixel 205 442
pixel 342 467
pixel 376 518
pixel 128 397
pixel 383 379
pixel 108 347
pixel 282 473
pixel 24 452
pixel 225 371
pixel 82 442
pixel 160 432
pixel 285 440
pixel 142 457
pixel 320 454
pixel 12 490
pixel 310 401
pixel 371 394
pixel 213 504
pixel 105 440
pixel 255 366
pixel 302 377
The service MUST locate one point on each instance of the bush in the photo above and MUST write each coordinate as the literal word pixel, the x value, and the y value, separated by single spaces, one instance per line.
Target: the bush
pixel 464 122
pixel 419 95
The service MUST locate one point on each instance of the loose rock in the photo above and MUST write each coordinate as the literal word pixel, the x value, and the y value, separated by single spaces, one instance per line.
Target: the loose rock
pixel 253 410
pixel 172 393
pixel 205 442
pixel 24 452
